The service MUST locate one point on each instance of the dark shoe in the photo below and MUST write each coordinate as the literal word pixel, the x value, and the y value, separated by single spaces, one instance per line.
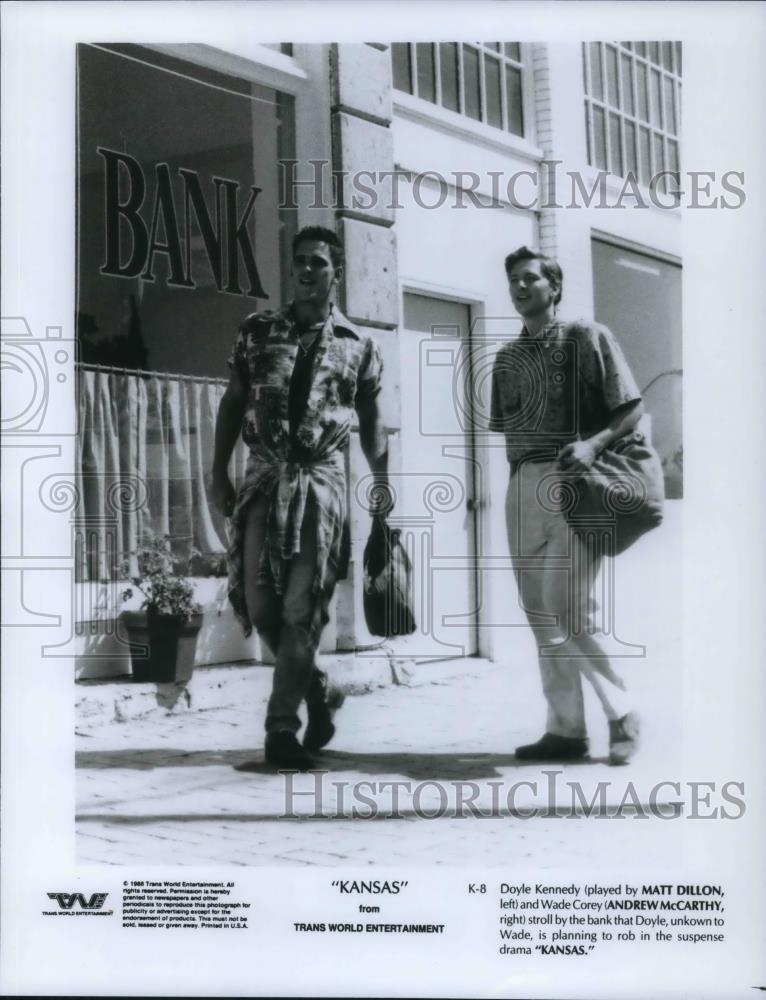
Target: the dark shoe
pixel 284 752
pixel 321 707
pixel 624 738
pixel 554 748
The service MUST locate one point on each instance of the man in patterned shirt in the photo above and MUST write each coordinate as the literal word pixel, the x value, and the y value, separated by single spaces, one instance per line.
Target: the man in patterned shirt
pixel 561 394
pixel 299 375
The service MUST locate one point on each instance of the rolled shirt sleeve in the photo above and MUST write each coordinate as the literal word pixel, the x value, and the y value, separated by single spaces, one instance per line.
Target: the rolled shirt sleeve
pixel 369 379
pixel 609 370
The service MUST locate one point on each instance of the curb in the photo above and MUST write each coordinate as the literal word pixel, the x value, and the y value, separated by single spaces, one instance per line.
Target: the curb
pixel 102 702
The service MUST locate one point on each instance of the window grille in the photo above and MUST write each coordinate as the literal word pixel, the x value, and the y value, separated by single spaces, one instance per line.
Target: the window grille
pixel 633 110
pixel 481 80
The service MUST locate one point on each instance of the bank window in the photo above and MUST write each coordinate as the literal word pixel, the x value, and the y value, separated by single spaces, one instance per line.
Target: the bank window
pixel 633 110
pixel 180 235
pixel 481 80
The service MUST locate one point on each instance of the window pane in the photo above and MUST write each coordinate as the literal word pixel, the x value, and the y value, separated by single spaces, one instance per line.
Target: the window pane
pixel 627 45
pixel 667 55
pixel 672 155
pixel 643 107
pixel 643 150
pixel 212 128
pixel 670 115
pixel 513 51
pixel 611 76
pixel 400 57
pixel 424 52
pixel 471 77
pixel 513 100
pixel 448 67
pixel 495 46
pixel 627 85
pixel 492 87
pixel 588 118
pixel 615 150
pixel 679 65
pixel 631 153
pixel 656 105
pixel 596 78
pixel 673 165
pixel 659 161
pixel 654 52
pixel 599 138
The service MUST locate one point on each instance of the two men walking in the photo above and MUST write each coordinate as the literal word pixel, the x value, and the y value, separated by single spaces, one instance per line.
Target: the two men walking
pixel 561 394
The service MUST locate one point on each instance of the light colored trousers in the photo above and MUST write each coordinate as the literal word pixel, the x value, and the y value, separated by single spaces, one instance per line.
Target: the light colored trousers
pixel 555 571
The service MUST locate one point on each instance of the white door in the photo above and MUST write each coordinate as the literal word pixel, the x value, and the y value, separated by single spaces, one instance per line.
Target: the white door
pixel 436 506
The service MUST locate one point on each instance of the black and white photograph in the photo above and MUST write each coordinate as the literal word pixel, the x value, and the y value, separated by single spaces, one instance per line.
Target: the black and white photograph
pixel 381 481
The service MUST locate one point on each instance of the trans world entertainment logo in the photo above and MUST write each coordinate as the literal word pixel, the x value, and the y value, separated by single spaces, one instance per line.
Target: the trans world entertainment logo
pixel 77 904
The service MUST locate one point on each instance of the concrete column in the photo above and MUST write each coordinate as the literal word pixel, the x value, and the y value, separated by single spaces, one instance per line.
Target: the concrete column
pixel 564 232
pixel 361 114
pixel 543 103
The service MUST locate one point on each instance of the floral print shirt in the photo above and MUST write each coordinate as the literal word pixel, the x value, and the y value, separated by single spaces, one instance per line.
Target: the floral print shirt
pixel 346 372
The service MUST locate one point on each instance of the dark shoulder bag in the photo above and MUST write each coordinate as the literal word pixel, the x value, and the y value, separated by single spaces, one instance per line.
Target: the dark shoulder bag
pixel 623 494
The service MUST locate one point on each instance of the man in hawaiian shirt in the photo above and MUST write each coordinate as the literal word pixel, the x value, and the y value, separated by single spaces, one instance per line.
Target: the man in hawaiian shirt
pixel 299 375
pixel 561 394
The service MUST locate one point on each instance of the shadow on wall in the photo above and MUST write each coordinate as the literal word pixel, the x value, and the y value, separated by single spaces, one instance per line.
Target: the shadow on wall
pixel 663 400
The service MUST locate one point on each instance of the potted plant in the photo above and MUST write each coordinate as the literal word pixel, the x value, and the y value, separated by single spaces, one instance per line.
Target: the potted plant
pixel 163 634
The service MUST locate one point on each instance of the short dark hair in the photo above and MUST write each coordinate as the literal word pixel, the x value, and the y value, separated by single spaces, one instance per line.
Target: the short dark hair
pixel 320 234
pixel 548 265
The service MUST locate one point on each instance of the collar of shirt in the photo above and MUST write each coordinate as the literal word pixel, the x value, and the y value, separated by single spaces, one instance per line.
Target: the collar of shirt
pixel 335 322
pixel 548 332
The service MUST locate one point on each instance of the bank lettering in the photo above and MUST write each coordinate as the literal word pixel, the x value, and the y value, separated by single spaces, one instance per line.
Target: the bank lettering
pixel 225 233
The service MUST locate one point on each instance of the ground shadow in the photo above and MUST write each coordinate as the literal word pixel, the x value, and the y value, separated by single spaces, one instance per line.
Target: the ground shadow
pixel 455 766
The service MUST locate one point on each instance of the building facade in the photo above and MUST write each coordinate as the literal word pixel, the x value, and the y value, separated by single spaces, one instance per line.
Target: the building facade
pixel 432 161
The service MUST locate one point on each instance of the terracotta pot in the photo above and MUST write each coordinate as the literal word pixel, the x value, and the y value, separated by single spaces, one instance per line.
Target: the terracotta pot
pixel 162 647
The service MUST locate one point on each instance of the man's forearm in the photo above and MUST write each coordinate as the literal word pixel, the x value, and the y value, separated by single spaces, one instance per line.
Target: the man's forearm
pixel 623 421
pixel 375 447
pixel 374 442
pixel 227 428
pixel 373 438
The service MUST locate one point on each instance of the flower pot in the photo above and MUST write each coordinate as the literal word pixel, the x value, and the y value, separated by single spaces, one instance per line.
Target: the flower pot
pixel 162 647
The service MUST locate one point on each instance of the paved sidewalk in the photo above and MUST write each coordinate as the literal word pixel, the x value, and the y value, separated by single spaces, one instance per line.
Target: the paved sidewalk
pixel 194 789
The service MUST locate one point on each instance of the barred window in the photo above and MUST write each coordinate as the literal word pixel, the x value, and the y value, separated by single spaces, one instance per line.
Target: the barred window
pixel 481 80
pixel 633 109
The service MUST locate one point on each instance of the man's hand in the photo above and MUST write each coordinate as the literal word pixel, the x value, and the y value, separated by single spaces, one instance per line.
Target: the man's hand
pixel 223 493
pixel 381 498
pixel 578 457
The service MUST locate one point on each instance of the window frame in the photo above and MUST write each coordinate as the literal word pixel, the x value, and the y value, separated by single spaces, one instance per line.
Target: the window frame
pixel 660 131
pixel 507 64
